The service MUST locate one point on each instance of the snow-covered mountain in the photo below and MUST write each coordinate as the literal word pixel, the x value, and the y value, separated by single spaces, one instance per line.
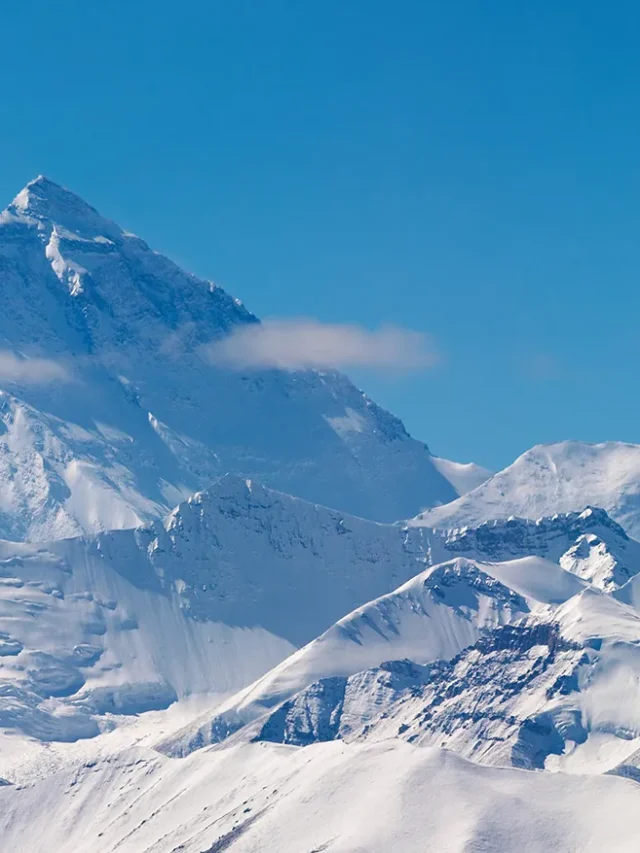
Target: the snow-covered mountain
pixel 433 617
pixel 255 670
pixel 515 644
pixel 523 664
pixel 131 620
pixel 515 664
pixel 111 412
pixel 589 544
pixel 553 478
pixel 557 692
pixel 233 581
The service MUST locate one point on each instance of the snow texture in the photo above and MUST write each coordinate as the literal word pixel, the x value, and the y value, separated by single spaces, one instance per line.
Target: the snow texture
pixel 338 797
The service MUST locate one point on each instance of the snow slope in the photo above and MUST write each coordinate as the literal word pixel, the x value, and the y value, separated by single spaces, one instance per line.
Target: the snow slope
pixel 337 797
pixel 83 639
pixel 110 411
pixel 554 478
pixel 229 585
pixel 433 617
pixel 556 687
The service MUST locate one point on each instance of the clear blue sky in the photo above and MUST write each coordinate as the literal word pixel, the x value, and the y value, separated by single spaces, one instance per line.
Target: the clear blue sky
pixel 467 168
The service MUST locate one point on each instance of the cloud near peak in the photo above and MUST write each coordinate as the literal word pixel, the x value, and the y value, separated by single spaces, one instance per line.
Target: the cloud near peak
pixel 300 343
pixel 31 371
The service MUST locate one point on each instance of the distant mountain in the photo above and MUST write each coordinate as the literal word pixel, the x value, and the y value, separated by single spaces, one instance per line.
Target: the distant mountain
pixel 111 413
pixel 554 478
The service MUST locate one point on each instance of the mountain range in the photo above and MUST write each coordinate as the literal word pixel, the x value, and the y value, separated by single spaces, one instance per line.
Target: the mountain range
pixel 245 610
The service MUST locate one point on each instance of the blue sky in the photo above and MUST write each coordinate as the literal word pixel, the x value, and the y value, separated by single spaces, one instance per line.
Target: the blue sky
pixel 467 169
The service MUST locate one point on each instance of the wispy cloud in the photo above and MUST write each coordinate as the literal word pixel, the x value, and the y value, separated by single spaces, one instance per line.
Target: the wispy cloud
pixel 293 344
pixel 31 371
pixel 543 366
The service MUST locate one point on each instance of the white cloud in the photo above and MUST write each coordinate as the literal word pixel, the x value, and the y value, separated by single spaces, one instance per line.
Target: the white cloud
pixel 31 371
pixel 300 343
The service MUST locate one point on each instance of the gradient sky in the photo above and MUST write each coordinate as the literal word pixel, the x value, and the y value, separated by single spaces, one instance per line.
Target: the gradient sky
pixel 467 169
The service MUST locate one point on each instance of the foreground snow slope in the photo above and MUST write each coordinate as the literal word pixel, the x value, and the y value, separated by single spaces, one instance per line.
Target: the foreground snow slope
pixel 124 414
pixel 552 478
pixel 336 797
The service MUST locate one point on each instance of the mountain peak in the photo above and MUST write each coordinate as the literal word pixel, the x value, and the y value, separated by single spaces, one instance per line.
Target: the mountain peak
pixel 46 201
pixel 563 477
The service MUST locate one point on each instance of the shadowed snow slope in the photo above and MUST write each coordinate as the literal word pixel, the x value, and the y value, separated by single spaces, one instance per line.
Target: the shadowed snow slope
pixel 338 797
pixel 89 630
pixel 123 415
pixel 553 478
